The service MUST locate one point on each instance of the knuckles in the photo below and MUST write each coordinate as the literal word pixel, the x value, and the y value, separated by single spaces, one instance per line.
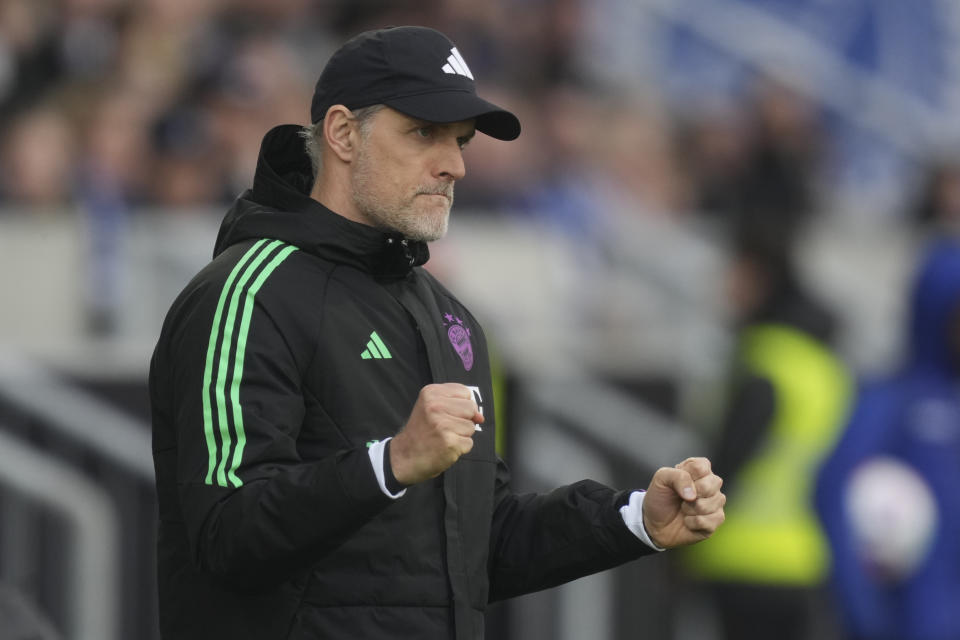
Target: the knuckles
pixel 434 439
pixel 449 438
pixel 710 484
pixel 431 407
pixel 696 465
pixel 662 471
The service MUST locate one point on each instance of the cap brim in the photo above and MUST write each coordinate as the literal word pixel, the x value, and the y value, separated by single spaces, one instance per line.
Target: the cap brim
pixel 454 106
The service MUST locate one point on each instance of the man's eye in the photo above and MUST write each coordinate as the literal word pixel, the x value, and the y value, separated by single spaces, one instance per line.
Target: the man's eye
pixel 423 132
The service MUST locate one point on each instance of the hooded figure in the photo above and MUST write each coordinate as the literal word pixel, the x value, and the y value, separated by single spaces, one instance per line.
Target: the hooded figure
pixel 888 493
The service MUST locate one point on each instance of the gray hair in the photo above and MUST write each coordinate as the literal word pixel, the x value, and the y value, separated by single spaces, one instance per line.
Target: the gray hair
pixel 313 134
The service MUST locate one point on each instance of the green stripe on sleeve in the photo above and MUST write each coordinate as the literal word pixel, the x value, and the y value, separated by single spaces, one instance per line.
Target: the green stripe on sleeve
pixel 225 347
pixel 208 369
pixel 238 361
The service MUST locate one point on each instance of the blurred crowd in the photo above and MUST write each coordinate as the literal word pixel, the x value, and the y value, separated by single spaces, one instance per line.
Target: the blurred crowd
pixel 164 102
pixel 119 104
pixel 130 103
pixel 125 103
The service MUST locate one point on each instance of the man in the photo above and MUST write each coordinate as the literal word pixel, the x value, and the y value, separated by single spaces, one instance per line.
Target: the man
pixel 322 407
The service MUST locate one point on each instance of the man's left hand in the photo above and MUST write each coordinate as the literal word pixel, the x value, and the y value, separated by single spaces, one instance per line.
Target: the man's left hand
pixel 683 504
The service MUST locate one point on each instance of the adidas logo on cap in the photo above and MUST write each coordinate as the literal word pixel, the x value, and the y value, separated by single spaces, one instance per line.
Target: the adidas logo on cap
pixel 457 65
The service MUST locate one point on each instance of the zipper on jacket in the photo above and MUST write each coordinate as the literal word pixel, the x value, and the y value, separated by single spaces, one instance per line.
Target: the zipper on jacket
pixel 406 251
pixel 405 245
pixel 441 505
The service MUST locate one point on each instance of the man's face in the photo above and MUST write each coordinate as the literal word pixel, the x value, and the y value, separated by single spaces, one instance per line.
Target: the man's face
pixel 745 286
pixel 404 171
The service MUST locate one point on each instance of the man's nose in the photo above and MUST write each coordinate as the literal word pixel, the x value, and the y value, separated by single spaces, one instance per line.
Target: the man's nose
pixel 450 165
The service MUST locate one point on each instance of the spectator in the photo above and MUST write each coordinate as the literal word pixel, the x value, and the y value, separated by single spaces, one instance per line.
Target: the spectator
pixel 29 61
pixel 888 493
pixel 762 158
pixel 37 160
pixel 937 206
pixel 789 396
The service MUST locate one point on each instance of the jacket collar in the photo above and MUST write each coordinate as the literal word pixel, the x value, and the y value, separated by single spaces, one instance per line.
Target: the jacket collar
pixel 279 207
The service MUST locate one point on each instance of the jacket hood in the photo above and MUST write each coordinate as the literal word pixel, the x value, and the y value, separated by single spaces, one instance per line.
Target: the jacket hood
pixel 934 304
pixel 279 207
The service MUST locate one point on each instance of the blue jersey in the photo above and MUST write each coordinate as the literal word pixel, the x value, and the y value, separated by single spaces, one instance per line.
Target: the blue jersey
pixel 912 416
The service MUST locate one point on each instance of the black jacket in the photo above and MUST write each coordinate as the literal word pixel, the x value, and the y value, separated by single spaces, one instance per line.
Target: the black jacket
pixel 268 382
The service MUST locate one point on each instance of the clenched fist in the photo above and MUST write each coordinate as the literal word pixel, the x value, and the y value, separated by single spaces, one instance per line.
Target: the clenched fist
pixel 439 431
pixel 683 504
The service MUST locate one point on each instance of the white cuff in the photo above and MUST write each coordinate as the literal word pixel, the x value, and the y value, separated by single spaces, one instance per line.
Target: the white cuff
pixel 375 451
pixel 632 514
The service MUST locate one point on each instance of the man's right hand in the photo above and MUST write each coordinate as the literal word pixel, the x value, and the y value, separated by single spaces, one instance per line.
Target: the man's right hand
pixel 439 431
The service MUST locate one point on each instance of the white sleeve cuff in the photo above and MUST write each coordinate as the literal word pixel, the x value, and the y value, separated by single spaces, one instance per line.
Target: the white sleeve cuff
pixel 632 514
pixel 375 451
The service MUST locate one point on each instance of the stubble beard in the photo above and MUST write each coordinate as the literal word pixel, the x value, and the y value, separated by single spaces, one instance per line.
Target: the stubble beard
pixel 401 216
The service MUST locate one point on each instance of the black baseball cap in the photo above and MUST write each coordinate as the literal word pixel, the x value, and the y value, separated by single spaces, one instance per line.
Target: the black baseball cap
pixel 417 71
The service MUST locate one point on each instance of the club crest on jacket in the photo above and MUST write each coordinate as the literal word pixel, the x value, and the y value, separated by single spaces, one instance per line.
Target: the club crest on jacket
pixel 459 336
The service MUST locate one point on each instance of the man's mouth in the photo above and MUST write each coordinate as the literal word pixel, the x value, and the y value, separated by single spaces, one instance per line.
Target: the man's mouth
pixel 448 196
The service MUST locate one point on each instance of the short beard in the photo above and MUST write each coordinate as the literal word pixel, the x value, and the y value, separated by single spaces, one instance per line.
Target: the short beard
pixel 399 217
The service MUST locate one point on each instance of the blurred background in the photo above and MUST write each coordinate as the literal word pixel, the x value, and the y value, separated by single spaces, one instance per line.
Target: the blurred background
pixel 677 158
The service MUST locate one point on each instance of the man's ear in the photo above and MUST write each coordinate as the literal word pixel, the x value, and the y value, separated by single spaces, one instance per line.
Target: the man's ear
pixel 340 133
